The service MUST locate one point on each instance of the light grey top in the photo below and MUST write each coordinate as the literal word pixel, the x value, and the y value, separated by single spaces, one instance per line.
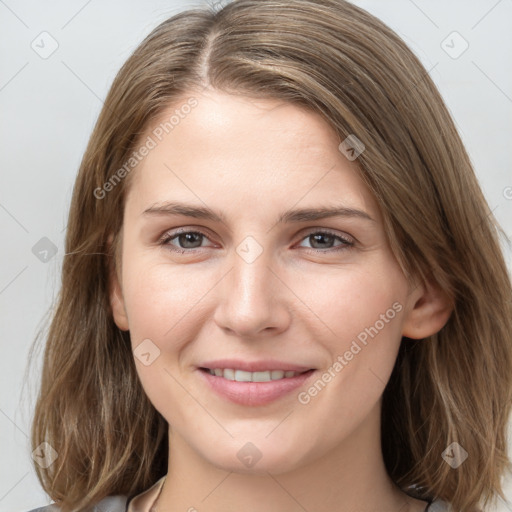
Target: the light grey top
pixel 108 504
pixel 144 501
pixel 118 504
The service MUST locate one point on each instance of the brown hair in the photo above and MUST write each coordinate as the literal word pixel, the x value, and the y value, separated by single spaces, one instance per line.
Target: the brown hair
pixel 341 62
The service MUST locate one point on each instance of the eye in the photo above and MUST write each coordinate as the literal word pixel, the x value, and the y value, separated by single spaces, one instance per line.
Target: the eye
pixel 322 241
pixel 186 240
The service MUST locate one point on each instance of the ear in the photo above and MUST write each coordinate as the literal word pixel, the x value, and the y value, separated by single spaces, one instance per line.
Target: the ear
pixel 429 310
pixel 116 292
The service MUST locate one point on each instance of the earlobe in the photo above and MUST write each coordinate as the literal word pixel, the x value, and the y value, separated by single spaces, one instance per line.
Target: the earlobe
pixel 428 312
pixel 116 297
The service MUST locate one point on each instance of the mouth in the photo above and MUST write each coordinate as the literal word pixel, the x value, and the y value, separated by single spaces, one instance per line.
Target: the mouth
pixel 254 388
pixel 245 376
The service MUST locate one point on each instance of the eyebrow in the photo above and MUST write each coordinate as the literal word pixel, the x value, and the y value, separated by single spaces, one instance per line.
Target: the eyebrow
pixel 296 215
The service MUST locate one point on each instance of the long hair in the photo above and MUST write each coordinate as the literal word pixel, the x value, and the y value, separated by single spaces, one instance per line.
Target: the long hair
pixel 341 62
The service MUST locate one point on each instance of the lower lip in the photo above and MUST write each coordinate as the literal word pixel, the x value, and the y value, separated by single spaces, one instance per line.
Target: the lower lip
pixel 254 393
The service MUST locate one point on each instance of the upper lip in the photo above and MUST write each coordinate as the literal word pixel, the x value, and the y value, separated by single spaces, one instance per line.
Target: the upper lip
pixel 254 366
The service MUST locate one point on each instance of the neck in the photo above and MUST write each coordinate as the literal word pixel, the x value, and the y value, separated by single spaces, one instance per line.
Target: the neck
pixel 352 476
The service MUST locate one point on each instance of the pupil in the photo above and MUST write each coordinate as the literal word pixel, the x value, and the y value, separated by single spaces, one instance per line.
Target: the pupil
pixel 188 238
pixel 320 236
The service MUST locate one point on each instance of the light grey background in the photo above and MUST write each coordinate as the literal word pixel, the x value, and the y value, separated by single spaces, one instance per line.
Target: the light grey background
pixel 49 105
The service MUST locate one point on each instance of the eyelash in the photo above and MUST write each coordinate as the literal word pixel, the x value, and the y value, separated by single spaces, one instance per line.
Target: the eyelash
pixel 168 237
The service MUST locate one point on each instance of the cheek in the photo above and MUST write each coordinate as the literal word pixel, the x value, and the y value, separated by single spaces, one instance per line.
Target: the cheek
pixel 161 299
pixel 163 305
pixel 355 303
pixel 359 325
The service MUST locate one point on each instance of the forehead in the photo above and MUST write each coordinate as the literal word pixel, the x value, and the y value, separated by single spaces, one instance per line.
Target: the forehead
pixel 241 152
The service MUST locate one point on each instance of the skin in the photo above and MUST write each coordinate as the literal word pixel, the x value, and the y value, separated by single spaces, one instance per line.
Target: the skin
pixel 300 301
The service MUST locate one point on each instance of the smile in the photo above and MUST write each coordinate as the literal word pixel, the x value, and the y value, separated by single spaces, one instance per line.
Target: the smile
pixel 255 388
pixel 244 376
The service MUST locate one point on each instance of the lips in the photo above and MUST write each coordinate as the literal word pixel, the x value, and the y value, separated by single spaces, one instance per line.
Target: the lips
pixel 254 366
pixel 253 383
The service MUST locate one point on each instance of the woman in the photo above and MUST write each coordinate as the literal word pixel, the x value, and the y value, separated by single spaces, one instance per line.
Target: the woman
pixel 208 352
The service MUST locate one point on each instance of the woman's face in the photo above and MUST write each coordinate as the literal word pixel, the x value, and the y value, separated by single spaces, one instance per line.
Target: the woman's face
pixel 231 261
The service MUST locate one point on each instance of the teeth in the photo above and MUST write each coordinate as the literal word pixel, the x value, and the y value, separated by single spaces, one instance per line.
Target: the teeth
pixel 227 374
pixel 243 376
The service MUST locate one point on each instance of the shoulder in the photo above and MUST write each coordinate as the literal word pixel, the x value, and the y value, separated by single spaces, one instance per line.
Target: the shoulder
pixel 109 504
pixel 439 506
pixel 443 506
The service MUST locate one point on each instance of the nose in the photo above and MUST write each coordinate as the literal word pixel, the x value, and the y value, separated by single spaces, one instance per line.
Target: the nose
pixel 253 299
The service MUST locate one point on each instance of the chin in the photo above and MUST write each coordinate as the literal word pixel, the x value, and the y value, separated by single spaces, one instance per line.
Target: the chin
pixel 258 458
